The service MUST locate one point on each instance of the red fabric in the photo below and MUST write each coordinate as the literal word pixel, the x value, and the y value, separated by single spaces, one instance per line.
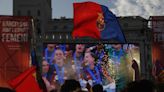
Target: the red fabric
pixel 14 55
pixel 26 82
pixel 85 18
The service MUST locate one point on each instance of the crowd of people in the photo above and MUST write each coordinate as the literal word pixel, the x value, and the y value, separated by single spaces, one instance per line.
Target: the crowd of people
pixel 91 68
pixel 89 64
pixel 72 85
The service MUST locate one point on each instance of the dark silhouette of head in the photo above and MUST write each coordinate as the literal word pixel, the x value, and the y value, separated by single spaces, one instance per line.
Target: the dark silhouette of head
pixel 97 88
pixel 2 89
pixel 70 86
pixel 141 86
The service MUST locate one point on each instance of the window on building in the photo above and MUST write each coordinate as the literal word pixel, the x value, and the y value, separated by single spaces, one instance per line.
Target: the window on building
pixel 28 13
pixel 38 27
pixel 19 13
pixel 126 25
pixel 53 36
pixel 55 27
pixel 155 37
pixel 66 36
pixel 160 37
pixel 38 13
pixel 40 36
pixel 60 37
pixel 70 26
pixel 46 36
pixel 65 27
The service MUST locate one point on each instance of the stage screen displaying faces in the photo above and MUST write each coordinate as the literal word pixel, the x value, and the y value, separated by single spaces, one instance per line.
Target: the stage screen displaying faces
pixel 111 65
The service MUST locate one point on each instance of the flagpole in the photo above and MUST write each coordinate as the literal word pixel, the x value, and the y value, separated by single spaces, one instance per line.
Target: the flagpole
pixel 38 67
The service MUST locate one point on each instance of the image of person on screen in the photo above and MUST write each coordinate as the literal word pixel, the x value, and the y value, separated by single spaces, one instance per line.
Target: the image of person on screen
pixel 68 51
pixel 94 75
pixel 78 56
pixel 100 52
pixel 45 69
pixel 49 52
pixel 59 71
pixel 119 66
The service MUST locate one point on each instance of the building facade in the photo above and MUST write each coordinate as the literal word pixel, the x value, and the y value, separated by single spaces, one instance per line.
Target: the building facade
pixel 39 10
pixel 135 29
pixel 51 30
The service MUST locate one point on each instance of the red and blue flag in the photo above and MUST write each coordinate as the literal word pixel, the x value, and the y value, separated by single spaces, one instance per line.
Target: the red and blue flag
pixel 96 21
